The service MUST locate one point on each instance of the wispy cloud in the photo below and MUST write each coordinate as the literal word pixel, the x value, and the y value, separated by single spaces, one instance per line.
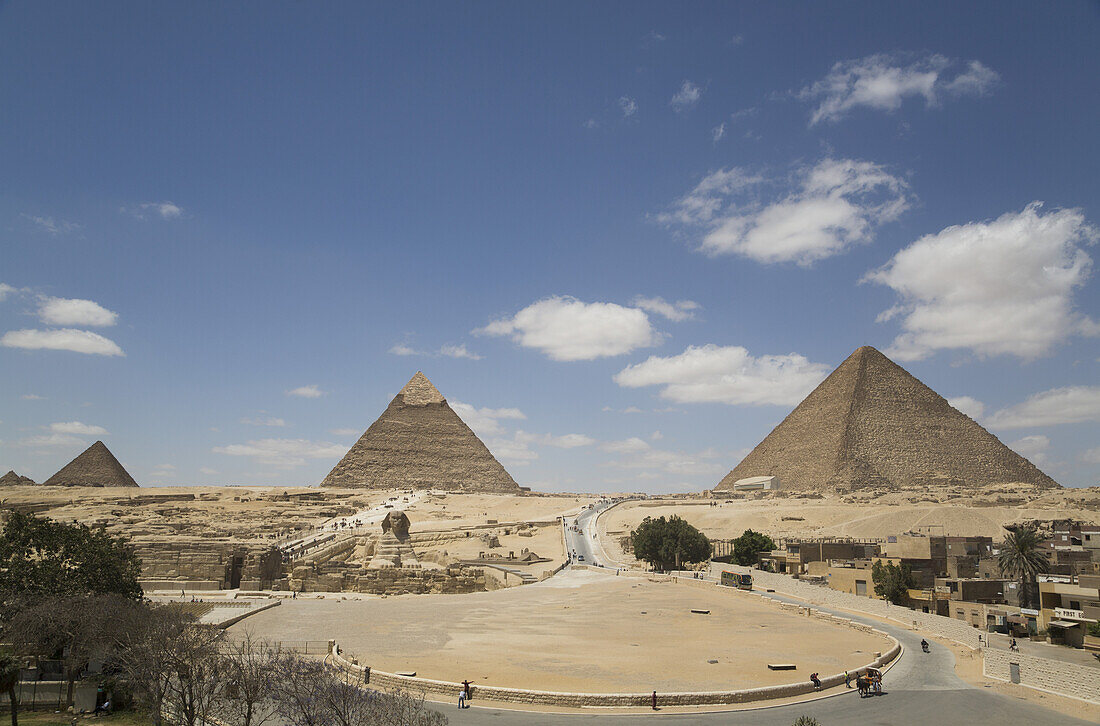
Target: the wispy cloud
pixel 685 98
pixel 675 311
pixel 1066 405
pixel 972 407
pixel 883 81
pixel 55 227
pixel 628 106
pixel 718 132
pixel 447 350
pixel 486 421
pixel 263 421
pixel 310 391
pixel 154 210
pixel 77 341
pixel 726 374
pixel 49 441
pixel 77 428
pixel 458 351
pixel 32 397
pixel 6 290
pixel 283 453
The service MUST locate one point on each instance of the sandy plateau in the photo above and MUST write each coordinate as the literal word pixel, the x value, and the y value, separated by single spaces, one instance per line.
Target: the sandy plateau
pixel 583 631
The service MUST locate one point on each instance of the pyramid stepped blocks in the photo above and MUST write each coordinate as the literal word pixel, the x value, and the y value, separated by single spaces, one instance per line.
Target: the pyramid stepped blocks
pixel 871 424
pixel 419 442
pixel 96 467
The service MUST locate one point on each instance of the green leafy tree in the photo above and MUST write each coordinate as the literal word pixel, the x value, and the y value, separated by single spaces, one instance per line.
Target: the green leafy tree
pixel 749 545
pixel 1021 559
pixel 40 558
pixel 892 582
pixel 669 542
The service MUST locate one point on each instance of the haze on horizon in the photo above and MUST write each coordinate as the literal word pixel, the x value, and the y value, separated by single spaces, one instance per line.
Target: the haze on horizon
pixel 623 240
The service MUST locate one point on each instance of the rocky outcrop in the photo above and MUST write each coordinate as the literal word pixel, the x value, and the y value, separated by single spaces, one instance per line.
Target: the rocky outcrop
pixel 420 442
pixel 871 424
pixel 96 467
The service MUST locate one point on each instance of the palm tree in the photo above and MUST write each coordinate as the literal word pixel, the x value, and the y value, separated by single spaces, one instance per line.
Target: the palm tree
pixel 1020 558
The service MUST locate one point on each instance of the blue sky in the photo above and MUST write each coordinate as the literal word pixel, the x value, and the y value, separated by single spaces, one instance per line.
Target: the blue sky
pixel 622 239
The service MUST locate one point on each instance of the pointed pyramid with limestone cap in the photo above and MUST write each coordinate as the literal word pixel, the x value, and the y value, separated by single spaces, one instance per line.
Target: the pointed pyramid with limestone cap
pixel 871 424
pixel 420 442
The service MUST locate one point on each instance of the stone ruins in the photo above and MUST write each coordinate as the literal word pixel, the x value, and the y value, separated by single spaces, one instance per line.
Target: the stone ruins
pixel 96 467
pixel 872 425
pixel 419 442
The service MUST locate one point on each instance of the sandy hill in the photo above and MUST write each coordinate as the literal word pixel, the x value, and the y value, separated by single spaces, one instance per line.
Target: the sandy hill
pixel 12 479
pixel 420 442
pixel 96 467
pixel 871 424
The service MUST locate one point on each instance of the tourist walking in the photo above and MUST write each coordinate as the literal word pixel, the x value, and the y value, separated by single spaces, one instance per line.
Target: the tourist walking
pixel 655 700
pixel 847 679
pixel 462 699
pixel 1013 647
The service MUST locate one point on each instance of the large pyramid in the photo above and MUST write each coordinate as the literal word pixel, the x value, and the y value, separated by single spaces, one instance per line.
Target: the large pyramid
pixel 872 424
pixel 96 467
pixel 419 442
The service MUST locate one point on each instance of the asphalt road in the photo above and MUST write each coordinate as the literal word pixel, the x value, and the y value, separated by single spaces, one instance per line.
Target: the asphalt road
pixel 584 542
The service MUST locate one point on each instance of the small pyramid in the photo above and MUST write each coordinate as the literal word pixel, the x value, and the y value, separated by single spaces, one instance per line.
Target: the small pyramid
pixel 11 479
pixel 871 424
pixel 96 467
pixel 420 442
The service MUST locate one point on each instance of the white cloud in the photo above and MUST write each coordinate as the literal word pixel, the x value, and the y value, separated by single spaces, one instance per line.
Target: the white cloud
pixel 1091 456
pixel 999 287
pixel 310 391
pixel 972 407
pixel 448 350
pixel 344 432
pixel 678 463
pixel 882 82
pixel 77 341
pixel 283 453
pixel 6 290
pixel 404 349
pixel 164 210
pixel 52 441
pixel 32 397
pixel 517 448
pixel 628 106
pixel 677 311
pixel 208 471
pixel 656 436
pixel 830 207
pixel 632 409
pixel 258 421
pixel 633 445
pixel 565 441
pixel 726 374
pixel 71 311
pixel 568 329
pixel 485 421
pixel 688 95
pixel 458 351
pixel 718 132
pixel 55 227
pixel 78 428
pixel 591 124
pixel 1032 448
pixel 1071 404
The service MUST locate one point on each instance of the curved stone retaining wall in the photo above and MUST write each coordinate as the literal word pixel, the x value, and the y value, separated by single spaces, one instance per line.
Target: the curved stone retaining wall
pixel 449 691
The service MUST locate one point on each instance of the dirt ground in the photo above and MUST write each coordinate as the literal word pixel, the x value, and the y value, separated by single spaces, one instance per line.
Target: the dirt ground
pixel 582 631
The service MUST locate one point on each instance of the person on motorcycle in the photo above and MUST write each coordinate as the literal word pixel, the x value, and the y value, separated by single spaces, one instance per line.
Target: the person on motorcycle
pixel 924 645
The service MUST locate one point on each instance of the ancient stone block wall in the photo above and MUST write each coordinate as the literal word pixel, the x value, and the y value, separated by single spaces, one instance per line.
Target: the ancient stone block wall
pixel 390 581
pixel 1044 674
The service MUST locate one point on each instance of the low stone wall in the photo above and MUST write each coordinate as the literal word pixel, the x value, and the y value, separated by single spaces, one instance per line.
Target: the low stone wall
pixel 392 581
pixel 1043 674
pixel 446 690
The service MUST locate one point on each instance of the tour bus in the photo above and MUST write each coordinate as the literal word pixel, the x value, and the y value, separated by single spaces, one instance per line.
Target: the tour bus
pixel 735 579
